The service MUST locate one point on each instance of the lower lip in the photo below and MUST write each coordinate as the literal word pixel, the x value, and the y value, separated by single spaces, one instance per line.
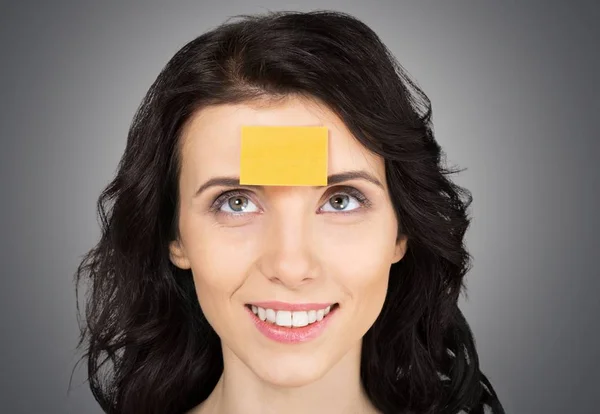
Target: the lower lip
pixel 287 335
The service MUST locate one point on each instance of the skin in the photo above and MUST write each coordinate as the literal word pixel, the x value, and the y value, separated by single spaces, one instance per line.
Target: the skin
pixel 293 244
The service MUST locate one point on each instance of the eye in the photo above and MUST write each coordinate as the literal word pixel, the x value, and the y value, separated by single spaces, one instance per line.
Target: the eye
pixel 343 202
pixel 235 204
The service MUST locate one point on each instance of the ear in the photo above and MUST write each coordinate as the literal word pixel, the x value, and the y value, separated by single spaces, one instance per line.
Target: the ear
pixel 400 249
pixel 177 255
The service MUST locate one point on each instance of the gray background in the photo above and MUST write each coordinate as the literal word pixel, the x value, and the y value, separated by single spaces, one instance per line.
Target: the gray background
pixel 515 99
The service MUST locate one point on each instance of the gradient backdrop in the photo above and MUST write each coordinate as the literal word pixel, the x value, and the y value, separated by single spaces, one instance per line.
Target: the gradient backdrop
pixel 515 102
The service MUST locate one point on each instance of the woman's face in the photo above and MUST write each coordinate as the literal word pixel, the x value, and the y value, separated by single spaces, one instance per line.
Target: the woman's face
pixel 293 245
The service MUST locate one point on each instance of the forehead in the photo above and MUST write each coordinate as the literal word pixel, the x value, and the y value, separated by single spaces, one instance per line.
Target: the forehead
pixel 211 141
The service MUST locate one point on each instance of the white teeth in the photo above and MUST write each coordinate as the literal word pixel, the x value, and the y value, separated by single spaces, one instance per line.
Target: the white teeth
pixel 289 319
pixel 320 313
pixel 299 319
pixel 284 318
pixel 271 315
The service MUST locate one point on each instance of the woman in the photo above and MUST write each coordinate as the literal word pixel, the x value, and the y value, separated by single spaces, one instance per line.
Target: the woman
pixel 190 263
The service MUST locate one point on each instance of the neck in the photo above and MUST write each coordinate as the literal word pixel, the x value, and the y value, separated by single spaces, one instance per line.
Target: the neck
pixel 240 391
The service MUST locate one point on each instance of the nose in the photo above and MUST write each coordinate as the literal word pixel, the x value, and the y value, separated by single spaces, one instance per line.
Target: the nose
pixel 289 256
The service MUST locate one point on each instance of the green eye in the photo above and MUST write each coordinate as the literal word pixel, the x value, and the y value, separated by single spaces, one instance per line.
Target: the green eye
pixel 235 204
pixel 343 203
pixel 340 201
pixel 238 203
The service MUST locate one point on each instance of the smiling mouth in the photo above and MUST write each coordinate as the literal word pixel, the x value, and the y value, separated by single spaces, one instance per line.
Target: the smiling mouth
pixel 292 319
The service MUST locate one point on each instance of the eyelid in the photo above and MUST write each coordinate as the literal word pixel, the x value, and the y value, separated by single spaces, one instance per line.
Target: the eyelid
pixel 349 190
pixel 338 189
pixel 352 192
pixel 222 197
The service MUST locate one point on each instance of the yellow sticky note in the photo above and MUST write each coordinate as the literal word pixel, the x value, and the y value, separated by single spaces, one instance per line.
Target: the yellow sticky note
pixel 284 155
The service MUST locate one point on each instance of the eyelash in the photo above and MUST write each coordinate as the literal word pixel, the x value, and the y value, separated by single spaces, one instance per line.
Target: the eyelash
pixel 345 190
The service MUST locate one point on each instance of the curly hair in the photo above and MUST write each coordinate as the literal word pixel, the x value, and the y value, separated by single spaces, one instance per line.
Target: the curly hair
pixel 148 346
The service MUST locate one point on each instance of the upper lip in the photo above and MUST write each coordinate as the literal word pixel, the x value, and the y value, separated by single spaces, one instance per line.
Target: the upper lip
pixel 276 305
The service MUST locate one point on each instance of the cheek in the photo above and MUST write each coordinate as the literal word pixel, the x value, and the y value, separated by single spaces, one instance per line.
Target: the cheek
pixel 360 254
pixel 366 273
pixel 359 264
pixel 216 276
pixel 360 260
pixel 361 268
pixel 364 277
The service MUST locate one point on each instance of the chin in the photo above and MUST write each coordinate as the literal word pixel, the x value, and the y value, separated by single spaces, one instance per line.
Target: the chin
pixel 291 371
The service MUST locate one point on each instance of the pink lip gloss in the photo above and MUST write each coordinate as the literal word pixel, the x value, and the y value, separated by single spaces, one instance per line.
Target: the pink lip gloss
pixel 292 335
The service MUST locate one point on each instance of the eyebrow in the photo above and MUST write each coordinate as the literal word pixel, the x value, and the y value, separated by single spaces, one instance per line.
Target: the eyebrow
pixel 331 180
